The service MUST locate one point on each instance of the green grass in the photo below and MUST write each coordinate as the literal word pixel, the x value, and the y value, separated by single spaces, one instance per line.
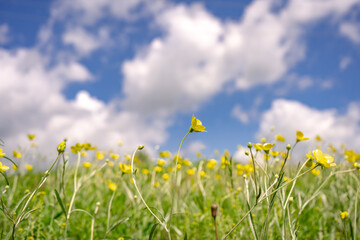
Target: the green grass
pixel 333 191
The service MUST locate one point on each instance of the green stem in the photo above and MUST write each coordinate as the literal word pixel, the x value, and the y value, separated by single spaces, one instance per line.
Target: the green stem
pixel 174 187
pixel 140 195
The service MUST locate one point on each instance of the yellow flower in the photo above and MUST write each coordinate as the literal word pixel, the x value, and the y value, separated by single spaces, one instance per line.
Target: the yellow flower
pixel 190 171
pixel 274 153
pixel 83 154
pixel 202 174
pixel 77 148
pixel 267 146
pixel 344 215
pixel 110 163
pixel 114 156
pixel 1 153
pixel 120 238
pixel 280 138
pixel 263 140
pixel 145 171
pixel 218 176
pixel 100 155
pixel 3 168
pixel 86 164
pixel 31 137
pixel 157 169
pixel 196 125
pixel 29 167
pixel 198 155
pixel 128 157
pixel 165 176
pixel 211 164
pixel 14 167
pixel 324 159
pixel 258 146
pixel 318 138
pixel 164 154
pixel 112 186
pixel 61 147
pixel 16 154
pixel 156 184
pixel 187 162
pixel 125 168
pixel 120 143
pixel 300 136
pixel 161 162
pixel 178 166
pixel 315 172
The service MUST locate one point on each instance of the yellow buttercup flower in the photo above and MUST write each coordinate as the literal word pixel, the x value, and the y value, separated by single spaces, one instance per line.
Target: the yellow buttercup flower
pixel 280 138
pixel 324 159
pixel 344 215
pixel 258 146
pixel 157 169
pixel 31 137
pixel 128 157
pixel 112 186
pixel 196 125
pixel 315 172
pixel 161 162
pixel 14 167
pixel 267 146
pixel 263 140
pixel 29 167
pixel 125 168
pixel 3 168
pixel 16 154
pixel 318 138
pixel 202 174
pixel 156 184
pixel 300 136
pixel 114 156
pixel 1 153
pixel 211 164
pixel 186 162
pixel 190 172
pixel 86 164
pixel 165 176
pixel 145 171
pixel 100 155
pixel 164 154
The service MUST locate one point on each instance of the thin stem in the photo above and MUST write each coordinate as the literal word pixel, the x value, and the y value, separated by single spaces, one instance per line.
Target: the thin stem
pixel 175 177
pixel 216 233
pixel 75 187
pixel 140 195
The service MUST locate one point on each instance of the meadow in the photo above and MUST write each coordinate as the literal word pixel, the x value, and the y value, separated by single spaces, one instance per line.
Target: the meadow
pixel 88 193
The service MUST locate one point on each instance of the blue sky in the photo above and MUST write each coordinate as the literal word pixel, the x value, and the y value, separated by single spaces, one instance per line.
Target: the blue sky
pixel 136 71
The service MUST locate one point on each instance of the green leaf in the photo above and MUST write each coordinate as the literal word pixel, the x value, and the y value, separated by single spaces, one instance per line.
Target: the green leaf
pixel 152 232
pixel 185 237
pixel 60 201
pixel 116 224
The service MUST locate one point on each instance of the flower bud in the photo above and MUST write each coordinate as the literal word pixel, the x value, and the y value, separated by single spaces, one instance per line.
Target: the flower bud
pixel 214 208
pixel 288 147
pixel 141 147
pixel 249 145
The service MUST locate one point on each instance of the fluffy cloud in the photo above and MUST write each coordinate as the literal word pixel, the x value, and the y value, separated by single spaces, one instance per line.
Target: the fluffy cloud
pixel 351 30
pixel 334 127
pixel 345 62
pixel 199 54
pixel 35 104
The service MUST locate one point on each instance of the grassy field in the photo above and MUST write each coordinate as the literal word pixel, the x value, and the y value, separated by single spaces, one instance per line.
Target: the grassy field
pixel 89 194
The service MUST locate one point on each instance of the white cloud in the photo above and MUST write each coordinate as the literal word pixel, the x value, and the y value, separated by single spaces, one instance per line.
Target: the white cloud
pixel 84 42
pixel 35 104
pixel 287 116
pixel 199 54
pixel 240 114
pixel 351 30
pixel 194 147
pixel 345 62
pixel 4 33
